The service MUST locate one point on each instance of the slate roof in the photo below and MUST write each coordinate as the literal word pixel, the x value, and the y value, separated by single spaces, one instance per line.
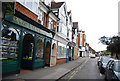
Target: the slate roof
pixel 75 25
pixel 69 12
pixel 55 5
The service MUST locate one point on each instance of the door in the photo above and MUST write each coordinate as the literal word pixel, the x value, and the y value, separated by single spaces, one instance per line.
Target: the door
pixel 80 53
pixel 47 54
pixel 53 57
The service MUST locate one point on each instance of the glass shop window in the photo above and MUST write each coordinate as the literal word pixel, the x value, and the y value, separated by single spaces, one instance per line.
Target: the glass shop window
pixel 9 46
pixel 40 49
pixel 28 45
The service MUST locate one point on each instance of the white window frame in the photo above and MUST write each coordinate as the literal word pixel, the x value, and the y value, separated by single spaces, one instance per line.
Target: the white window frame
pixel 31 8
pixel 50 26
pixel 41 16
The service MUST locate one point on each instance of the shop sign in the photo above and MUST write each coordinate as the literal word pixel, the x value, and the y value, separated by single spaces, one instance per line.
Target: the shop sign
pixel 30 26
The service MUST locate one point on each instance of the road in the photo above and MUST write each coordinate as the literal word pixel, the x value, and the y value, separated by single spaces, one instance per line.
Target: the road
pixel 88 70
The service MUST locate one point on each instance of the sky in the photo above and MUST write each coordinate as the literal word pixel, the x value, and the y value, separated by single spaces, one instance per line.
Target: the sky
pixel 96 17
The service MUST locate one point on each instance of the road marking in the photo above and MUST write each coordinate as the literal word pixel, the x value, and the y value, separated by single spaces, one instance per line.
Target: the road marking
pixel 72 76
pixel 74 72
pixel 101 74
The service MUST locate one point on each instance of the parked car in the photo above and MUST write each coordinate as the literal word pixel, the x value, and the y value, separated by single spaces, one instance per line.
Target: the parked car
pixel 103 63
pixel 92 56
pixel 113 70
pixel 99 60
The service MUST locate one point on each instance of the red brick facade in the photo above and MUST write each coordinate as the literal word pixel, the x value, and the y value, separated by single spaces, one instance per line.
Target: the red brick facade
pixel 44 22
pixel 62 60
pixel 83 40
pixel 25 11
pixel 78 39
pixel 54 25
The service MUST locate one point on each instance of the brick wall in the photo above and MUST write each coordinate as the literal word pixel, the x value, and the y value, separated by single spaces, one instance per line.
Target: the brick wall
pixel 78 39
pixel 54 25
pixel 44 22
pixel 25 11
pixel 76 52
pixel 62 60
pixel 83 40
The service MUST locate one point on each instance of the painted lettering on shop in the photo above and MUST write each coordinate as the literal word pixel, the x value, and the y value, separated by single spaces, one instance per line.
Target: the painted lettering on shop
pixel 24 23
pixel 30 26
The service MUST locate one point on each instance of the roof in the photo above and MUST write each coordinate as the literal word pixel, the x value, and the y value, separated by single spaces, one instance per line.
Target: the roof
pixel 56 5
pixel 49 11
pixel 69 12
pixel 75 25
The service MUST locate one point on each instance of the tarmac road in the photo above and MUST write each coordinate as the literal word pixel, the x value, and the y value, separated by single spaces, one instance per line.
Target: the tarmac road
pixel 87 71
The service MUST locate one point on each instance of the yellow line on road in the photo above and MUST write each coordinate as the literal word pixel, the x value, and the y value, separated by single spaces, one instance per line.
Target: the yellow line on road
pixel 74 72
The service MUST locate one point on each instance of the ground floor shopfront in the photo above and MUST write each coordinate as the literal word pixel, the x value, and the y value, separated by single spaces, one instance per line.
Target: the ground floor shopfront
pixel 75 52
pixel 82 52
pixel 54 53
pixel 71 51
pixel 66 50
pixel 61 41
pixel 24 45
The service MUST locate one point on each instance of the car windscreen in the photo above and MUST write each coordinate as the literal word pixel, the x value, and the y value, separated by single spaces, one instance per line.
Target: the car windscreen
pixel 117 66
pixel 105 60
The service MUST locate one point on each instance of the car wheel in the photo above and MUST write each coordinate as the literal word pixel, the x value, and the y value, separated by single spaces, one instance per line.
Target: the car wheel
pixel 101 71
pixel 98 63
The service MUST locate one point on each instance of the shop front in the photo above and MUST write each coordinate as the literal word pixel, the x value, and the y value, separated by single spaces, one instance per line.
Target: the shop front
pixel 9 49
pixel 26 44
pixel 54 53
pixel 70 46
pixel 61 44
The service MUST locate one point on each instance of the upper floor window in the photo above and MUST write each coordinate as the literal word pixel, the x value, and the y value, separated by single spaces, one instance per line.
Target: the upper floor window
pixel 30 4
pixel 22 1
pixel 50 23
pixel 63 16
pixel 35 4
pixel 41 16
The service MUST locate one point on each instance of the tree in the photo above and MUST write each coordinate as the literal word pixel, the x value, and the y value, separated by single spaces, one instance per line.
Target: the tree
pixel 113 44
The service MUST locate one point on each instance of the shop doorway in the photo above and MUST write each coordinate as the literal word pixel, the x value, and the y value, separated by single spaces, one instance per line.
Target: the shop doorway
pixel 47 54
pixel 53 57
pixel 80 53
pixel 27 51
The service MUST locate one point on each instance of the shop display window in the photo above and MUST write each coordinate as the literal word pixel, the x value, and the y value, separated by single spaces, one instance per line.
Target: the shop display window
pixel 40 49
pixel 9 46
pixel 28 45
pixel 61 50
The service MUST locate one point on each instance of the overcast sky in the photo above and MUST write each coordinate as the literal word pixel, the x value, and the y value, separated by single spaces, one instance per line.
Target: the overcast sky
pixel 96 17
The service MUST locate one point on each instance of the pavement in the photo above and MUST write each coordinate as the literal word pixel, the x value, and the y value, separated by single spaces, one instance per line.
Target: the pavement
pixel 55 72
